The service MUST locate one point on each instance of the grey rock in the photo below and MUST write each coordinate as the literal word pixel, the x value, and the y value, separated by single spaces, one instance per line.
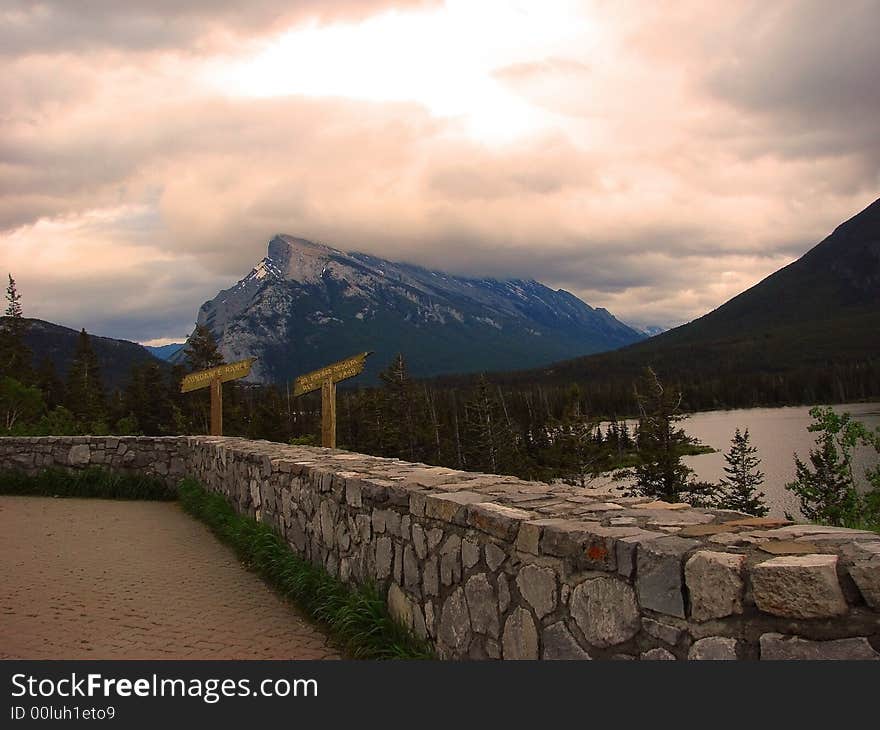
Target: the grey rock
pixel 494 556
pixel 605 610
pixel 664 632
pixel 411 578
pixel 715 584
pixel 419 541
pixel 657 654
pixel 520 639
pixel 503 593
pixel 482 605
pixel 384 554
pixel 537 586
pixel 470 553
pixel 776 646
pixel 454 633
pixel 435 535
pixel 866 575
pixel 431 577
pixel 559 644
pixel 799 586
pixel 714 648
pixel 79 455
pixel 399 606
pixel 659 574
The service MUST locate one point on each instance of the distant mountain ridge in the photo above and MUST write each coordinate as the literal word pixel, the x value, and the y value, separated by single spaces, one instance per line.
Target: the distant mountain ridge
pixel 306 304
pixel 57 343
pixel 164 352
pixel 819 312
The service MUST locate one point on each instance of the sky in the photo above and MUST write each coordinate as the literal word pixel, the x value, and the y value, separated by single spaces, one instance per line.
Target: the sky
pixel 654 158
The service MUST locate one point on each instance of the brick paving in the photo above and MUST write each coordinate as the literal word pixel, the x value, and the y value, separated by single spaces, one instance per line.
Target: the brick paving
pixel 101 579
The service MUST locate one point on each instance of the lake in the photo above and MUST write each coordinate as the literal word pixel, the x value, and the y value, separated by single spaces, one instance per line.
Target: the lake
pixel 778 433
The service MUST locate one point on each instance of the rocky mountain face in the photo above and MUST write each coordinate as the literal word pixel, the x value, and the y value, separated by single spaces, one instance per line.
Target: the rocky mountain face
pixel 306 304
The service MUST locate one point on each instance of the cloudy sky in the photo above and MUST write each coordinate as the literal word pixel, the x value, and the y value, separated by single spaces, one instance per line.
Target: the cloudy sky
pixel 654 158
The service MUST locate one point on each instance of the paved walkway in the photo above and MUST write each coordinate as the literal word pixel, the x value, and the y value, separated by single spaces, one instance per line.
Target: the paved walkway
pixel 100 579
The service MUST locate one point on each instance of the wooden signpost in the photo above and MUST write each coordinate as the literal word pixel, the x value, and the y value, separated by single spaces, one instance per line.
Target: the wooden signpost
pixel 326 378
pixel 215 377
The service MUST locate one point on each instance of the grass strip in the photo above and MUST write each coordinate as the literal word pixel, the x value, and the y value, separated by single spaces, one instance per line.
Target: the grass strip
pixel 356 618
pixel 92 482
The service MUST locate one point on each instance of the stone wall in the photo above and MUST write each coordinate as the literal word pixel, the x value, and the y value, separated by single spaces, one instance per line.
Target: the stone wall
pixel 488 566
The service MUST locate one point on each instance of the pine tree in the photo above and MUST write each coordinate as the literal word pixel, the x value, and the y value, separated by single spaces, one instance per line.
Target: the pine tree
pixel 85 391
pixel 201 350
pixel 661 444
pixel 739 491
pixel 490 443
pixel 828 491
pixel 400 424
pixel 15 355
pixel 51 385
pixel 202 353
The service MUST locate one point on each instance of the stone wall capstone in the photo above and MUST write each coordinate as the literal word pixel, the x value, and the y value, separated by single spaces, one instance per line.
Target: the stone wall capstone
pixel 493 567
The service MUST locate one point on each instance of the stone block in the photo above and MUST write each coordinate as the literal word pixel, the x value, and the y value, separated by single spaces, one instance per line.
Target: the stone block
pixel 606 611
pixel 659 574
pixel 666 633
pixel 495 556
pixel 496 519
pixel 715 584
pixel 866 576
pixel 520 639
pixel 79 455
pixel 538 587
pixel 482 605
pixel 446 505
pixel 454 633
pixel 470 553
pixel 799 586
pixel 657 654
pixel 713 648
pixel 559 644
pixel 779 647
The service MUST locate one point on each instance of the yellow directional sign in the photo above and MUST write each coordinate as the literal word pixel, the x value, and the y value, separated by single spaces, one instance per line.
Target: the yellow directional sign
pixel 222 373
pixel 341 370
pixel 326 378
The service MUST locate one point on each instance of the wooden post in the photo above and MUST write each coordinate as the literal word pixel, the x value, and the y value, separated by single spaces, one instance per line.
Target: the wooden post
pixel 328 414
pixel 217 407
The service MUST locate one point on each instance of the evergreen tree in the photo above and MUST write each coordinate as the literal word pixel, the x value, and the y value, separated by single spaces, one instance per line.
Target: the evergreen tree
pixel 201 350
pixel 15 355
pixel 739 490
pixel 400 435
pixel 661 444
pixel 85 391
pixel 489 441
pixel 827 489
pixel 146 400
pixel 51 385
pixel 202 353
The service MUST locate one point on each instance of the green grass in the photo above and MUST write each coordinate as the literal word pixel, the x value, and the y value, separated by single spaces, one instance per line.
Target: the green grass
pixel 92 482
pixel 356 618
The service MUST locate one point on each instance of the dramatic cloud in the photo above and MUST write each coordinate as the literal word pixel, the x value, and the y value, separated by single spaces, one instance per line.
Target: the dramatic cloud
pixel 653 160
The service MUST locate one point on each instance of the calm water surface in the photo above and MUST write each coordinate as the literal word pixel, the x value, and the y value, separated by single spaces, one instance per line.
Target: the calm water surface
pixel 778 433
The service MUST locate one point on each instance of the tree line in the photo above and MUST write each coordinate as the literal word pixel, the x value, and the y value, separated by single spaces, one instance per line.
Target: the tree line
pixel 530 431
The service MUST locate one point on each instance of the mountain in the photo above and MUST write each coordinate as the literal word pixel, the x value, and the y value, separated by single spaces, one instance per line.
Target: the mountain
pixel 815 321
pixel 58 344
pixel 306 304
pixel 164 352
pixel 651 330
